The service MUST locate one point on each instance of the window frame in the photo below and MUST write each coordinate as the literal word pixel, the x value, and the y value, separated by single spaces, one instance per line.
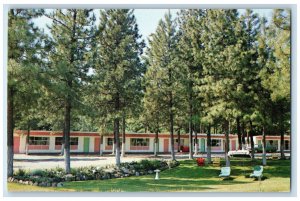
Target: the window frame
pixel 140 142
pixel 33 140
pixel 218 144
pixel 71 140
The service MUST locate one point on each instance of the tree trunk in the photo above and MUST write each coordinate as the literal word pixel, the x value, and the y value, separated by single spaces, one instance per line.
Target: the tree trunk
pixel 113 151
pixel 172 133
pixel 243 136
pixel 67 128
pixel 101 145
pixel 123 136
pixel 282 156
pixel 178 138
pixel 116 131
pixel 27 140
pixel 117 142
pixel 239 133
pixel 62 151
pixel 196 142
pixel 227 146
pixel 252 141
pixel 190 134
pixel 156 143
pixel 208 145
pixel 264 154
pixel 10 132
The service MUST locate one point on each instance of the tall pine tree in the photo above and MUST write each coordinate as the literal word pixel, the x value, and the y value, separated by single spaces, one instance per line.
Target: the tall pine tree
pixel 72 32
pixel 118 69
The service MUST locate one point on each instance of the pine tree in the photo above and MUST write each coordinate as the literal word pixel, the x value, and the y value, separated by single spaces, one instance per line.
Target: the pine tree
pixel 277 74
pixel 167 74
pixel 220 63
pixel 24 42
pixel 190 48
pixel 71 31
pixel 118 69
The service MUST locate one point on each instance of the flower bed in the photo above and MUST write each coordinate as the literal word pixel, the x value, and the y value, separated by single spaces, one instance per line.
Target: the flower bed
pixel 56 177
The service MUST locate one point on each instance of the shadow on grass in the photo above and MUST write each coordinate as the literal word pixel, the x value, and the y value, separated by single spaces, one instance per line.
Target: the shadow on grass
pixel 136 184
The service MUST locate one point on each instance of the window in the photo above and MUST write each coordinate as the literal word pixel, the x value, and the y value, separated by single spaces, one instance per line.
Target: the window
pixel 215 143
pixel 181 141
pixel 58 141
pixel 139 141
pixel 73 141
pixel 110 141
pixel 39 140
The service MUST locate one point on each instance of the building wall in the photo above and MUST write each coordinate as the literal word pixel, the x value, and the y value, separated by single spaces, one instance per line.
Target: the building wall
pixel 128 149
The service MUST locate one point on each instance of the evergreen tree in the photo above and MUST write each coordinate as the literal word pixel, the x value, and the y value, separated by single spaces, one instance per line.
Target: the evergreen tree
pixel 276 77
pixel 190 48
pixel 71 31
pixel 221 63
pixel 24 43
pixel 167 75
pixel 118 69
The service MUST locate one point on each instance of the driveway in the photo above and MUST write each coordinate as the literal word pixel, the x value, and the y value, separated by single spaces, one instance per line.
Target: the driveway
pixel 22 161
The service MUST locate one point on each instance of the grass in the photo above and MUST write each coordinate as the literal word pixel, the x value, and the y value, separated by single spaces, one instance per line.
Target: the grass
pixel 187 177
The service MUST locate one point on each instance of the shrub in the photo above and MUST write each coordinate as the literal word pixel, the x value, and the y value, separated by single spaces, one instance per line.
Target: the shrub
pixel 37 172
pixel 91 172
pixel 21 173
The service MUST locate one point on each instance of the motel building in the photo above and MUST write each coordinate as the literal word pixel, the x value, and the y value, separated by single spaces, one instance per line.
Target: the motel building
pixel 48 142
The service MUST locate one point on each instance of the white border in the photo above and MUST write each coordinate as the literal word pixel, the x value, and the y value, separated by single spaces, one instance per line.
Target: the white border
pixel 156 4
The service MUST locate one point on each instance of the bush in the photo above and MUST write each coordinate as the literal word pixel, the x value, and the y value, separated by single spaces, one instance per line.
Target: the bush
pixel 92 173
pixel 20 173
pixel 38 172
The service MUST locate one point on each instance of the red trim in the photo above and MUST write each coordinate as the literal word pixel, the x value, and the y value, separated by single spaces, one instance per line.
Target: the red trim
pixel 216 148
pixel 72 147
pixel 97 144
pixel 108 147
pixel 16 145
pixel 57 147
pixel 166 145
pixel 139 147
pixel 149 135
pixel 38 147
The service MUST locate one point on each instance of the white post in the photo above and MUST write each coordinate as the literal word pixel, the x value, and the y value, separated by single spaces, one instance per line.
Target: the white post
pixel 196 148
pixel 157 174
pixel 101 144
pixel 113 149
pixel 123 149
pixel 155 149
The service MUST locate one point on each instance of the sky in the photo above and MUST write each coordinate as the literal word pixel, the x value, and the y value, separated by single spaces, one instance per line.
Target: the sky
pixel 147 19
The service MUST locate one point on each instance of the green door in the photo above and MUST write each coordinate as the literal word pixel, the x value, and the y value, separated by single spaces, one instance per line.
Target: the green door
pixel 86 144
pixel 202 147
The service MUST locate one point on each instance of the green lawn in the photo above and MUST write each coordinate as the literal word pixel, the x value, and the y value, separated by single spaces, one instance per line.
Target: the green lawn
pixel 187 177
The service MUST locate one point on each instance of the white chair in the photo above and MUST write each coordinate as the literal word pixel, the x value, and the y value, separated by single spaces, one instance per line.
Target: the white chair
pixel 258 170
pixel 225 172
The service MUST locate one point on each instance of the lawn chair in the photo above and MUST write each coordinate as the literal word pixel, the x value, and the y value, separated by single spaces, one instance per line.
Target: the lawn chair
pixel 225 172
pixel 216 162
pixel 257 172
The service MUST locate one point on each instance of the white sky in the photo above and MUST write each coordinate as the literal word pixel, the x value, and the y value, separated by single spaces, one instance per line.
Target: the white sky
pixel 147 19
